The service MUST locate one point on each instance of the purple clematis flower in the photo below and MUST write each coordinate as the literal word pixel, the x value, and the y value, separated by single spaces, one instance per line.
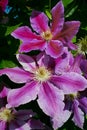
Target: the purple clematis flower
pixel 77 104
pixel 50 38
pixel 41 79
pixel 10 119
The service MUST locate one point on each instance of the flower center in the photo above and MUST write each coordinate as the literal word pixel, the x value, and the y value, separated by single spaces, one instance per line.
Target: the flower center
pixel 6 115
pixel 42 74
pixel 47 35
pixel 73 96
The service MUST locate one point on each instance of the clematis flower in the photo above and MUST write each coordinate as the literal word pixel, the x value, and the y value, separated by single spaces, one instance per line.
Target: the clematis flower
pixel 16 120
pixel 36 75
pixel 39 76
pixel 77 104
pixel 49 38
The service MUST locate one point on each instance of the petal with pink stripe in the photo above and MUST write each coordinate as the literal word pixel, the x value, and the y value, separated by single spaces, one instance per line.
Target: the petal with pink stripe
pixel 16 74
pixel 22 95
pixel 39 22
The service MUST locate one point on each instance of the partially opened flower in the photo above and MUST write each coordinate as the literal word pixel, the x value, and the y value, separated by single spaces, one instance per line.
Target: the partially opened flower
pixel 10 119
pixel 77 104
pixel 40 78
pixel 49 38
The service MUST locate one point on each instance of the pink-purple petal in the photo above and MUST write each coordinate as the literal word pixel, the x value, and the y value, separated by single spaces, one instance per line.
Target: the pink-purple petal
pixel 22 95
pixel 24 114
pixel 71 45
pixel 32 45
pixel 57 18
pixel 37 125
pixel 49 95
pixel 19 125
pixel 39 59
pixel 83 104
pixel 60 119
pixel 69 31
pixel 70 82
pixel 3 125
pixel 83 66
pixel 54 48
pixel 26 61
pixel 78 117
pixel 16 74
pixel 64 62
pixel 76 65
pixel 39 21
pixel 47 61
pixel 4 91
pixel 24 33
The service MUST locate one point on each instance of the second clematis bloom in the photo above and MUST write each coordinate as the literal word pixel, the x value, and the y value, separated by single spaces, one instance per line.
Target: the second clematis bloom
pixel 39 75
pixel 49 38
pixel 11 119
pixel 77 104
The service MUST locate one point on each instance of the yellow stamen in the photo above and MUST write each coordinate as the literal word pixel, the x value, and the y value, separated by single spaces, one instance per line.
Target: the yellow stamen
pixel 73 96
pixel 42 74
pixel 47 35
pixel 6 115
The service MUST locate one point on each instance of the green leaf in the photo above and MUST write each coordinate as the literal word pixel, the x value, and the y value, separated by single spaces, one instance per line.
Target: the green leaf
pixel 71 11
pixel 85 28
pixel 48 14
pixel 11 28
pixel 66 2
pixel 74 39
pixel 7 63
